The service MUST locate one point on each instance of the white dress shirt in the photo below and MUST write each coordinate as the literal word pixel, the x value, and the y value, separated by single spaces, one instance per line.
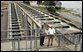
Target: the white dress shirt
pixel 51 31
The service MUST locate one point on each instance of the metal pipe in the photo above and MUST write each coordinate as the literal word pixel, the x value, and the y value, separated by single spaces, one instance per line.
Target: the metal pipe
pixel 75 47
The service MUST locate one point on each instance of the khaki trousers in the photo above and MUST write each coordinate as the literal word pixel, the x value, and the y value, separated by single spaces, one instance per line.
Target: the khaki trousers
pixel 50 39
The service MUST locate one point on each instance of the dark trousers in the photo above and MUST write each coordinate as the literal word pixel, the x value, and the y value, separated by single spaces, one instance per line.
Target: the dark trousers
pixel 41 40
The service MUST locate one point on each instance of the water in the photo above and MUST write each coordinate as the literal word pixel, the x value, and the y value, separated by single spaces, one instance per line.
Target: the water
pixel 76 6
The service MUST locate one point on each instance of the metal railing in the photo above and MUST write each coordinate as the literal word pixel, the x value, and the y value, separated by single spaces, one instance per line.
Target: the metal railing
pixel 31 42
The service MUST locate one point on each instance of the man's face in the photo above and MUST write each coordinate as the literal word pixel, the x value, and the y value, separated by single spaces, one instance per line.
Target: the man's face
pixel 51 27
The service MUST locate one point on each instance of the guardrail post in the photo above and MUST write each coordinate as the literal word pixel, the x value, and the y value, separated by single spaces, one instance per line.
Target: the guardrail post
pixel 13 44
pixel 35 40
pixel 59 35
pixel 81 47
pixel 59 41
pixel 18 43
pixel 26 42
pixel 75 47
pixel 75 39
pixel 31 40
pixel 80 42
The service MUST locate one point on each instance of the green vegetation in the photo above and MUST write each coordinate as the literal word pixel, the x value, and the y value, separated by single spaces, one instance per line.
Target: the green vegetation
pixel 62 9
pixel 48 3
pixel 43 9
pixel 51 9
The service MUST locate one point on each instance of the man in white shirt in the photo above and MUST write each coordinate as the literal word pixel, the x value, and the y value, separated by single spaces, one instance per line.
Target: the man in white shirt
pixel 51 32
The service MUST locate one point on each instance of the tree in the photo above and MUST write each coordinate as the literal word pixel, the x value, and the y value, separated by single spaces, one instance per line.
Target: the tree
pixel 39 2
pixel 49 7
pixel 26 2
pixel 49 3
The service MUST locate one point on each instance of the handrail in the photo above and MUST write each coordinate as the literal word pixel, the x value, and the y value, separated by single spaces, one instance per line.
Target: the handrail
pixel 18 39
pixel 59 34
